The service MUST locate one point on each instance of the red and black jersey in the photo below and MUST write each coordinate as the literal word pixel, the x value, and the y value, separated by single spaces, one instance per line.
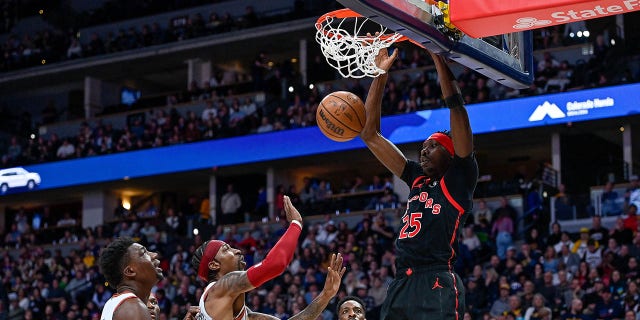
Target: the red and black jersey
pixel 435 214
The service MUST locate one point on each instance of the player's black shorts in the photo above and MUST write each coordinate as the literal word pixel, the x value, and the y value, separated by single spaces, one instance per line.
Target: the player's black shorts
pixel 424 293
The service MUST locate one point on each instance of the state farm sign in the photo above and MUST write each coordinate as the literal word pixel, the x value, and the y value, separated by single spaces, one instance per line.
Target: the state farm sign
pixel 486 18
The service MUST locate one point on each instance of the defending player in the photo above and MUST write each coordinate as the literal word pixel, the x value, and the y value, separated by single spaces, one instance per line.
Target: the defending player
pixel 222 267
pixel 442 185
pixel 133 271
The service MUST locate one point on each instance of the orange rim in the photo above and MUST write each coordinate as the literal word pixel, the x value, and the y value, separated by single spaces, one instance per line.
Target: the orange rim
pixel 348 13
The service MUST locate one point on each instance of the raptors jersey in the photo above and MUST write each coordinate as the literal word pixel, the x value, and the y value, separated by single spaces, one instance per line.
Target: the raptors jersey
pixel 203 315
pixel 113 303
pixel 436 211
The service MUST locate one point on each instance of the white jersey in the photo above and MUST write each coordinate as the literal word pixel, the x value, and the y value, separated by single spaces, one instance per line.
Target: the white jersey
pixel 203 315
pixel 113 303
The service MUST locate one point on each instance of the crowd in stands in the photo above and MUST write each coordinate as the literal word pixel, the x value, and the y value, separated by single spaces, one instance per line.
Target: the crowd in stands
pixel 228 114
pixel 544 276
pixel 59 44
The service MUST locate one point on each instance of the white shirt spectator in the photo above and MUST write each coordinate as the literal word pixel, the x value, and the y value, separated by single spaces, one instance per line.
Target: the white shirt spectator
pixel 66 150
pixel 265 126
pixel 230 202
pixel 210 112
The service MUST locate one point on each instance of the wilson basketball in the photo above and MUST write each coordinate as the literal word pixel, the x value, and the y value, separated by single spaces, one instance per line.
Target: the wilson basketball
pixel 341 116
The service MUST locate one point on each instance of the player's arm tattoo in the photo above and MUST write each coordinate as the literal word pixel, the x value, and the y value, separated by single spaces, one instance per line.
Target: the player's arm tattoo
pixel 313 310
pixel 260 316
pixel 235 282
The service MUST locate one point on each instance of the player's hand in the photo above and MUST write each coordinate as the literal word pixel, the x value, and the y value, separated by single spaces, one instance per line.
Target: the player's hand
pixel 191 313
pixel 438 59
pixel 384 61
pixel 291 211
pixel 334 275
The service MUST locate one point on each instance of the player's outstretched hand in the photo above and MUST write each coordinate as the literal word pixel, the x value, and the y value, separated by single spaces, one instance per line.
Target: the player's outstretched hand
pixel 291 211
pixel 334 275
pixel 191 313
pixel 384 61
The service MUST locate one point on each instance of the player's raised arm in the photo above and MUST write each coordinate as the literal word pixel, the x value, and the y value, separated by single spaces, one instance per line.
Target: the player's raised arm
pixel 315 308
pixel 276 261
pixel 386 152
pixel 459 119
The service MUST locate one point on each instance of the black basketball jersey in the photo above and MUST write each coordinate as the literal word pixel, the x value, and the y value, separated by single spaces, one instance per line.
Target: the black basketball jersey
pixel 435 214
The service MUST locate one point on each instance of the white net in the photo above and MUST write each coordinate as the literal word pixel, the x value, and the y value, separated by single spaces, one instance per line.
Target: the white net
pixel 349 49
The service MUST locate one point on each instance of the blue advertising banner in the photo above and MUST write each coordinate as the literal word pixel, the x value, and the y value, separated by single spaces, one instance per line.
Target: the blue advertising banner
pixel 489 117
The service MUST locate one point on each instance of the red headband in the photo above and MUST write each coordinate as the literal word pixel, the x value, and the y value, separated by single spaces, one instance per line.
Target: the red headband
pixel 444 140
pixel 209 253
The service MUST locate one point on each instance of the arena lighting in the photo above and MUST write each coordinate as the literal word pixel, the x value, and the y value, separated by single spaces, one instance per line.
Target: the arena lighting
pixel 40 11
pixel 586 33
pixel 621 129
pixel 311 86
pixel 291 89
pixel 488 18
pixel 613 42
pixel 196 231
pixel 571 35
pixel 126 203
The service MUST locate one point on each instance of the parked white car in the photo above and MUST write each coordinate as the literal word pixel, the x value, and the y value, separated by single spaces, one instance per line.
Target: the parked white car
pixel 17 177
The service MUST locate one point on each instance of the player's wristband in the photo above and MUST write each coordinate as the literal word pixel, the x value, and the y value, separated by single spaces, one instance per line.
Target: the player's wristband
pixel 297 222
pixel 454 101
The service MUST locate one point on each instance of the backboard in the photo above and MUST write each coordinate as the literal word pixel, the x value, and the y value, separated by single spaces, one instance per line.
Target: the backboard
pixel 506 59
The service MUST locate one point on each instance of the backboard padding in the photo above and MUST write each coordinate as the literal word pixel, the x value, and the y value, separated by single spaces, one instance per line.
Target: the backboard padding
pixel 477 54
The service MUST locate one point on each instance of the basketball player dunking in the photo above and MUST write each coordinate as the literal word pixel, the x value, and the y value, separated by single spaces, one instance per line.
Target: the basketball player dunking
pixel 441 196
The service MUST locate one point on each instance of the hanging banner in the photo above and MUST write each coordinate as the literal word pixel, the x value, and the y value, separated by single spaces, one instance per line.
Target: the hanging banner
pixel 489 17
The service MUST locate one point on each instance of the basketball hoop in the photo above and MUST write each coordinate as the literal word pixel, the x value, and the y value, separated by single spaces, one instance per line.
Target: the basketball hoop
pixel 350 42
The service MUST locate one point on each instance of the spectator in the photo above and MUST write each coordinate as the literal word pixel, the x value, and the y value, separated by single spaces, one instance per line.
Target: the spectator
pixel 75 49
pixel 538 311
pixel 66 150
pixel 67 221
pixel 502 231
pixel 501 305
pixel 608 308
pixel 78 288
pixel 620 233
pixel 632 194
pixel 563 204
pixel 576 311
pixel 631 221
pixel 597 231
pixel 610 206
pixel 230 204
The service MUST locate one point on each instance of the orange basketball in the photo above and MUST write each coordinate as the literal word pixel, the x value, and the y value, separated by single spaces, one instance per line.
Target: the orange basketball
pixel 341 116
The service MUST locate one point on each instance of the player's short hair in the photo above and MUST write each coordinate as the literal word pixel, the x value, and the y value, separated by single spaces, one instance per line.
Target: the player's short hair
pixel 349 298
pixel 113 258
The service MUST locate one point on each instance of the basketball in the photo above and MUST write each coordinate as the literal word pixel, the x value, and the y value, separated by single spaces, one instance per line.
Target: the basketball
pixel 341 116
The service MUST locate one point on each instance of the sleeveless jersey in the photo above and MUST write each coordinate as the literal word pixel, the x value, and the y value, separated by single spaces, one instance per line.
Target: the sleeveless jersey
pixel 203 315
pixel 113 303
pixel 436 211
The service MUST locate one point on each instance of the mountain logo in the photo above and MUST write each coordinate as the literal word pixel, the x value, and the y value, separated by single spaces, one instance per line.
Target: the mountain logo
pixel 546 109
